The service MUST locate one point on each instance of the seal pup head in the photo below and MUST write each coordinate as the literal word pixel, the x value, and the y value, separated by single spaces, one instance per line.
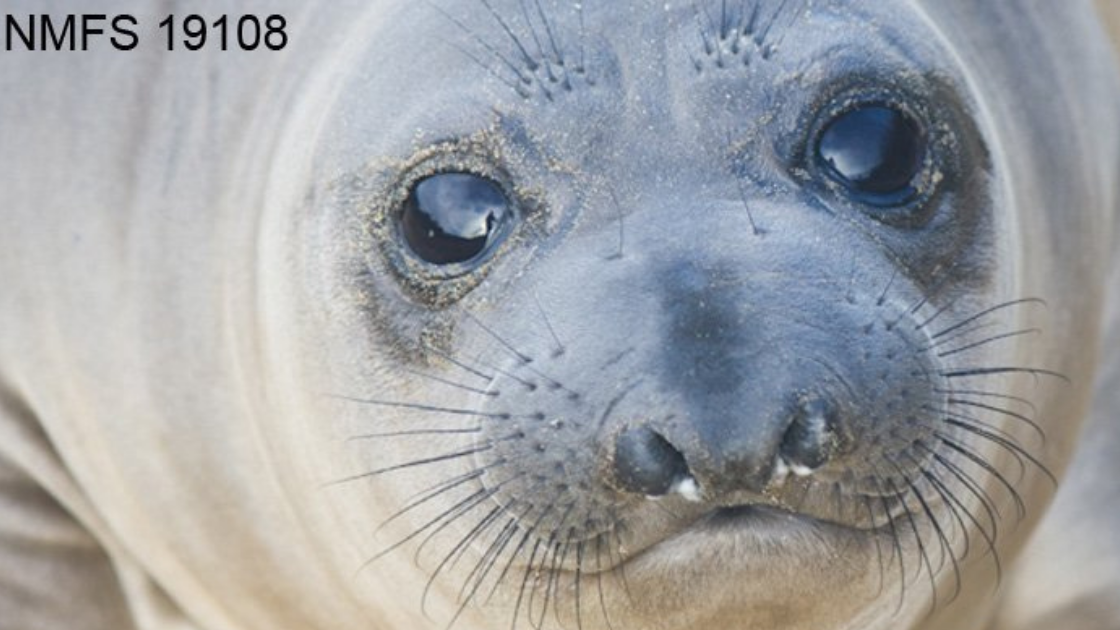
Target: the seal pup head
pixel 680 315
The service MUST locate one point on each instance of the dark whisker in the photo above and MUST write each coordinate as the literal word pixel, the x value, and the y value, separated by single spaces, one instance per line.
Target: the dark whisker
pixel 552 40
pixel 452 513
pixel 488 493
pixel 878 546
pixel 483 567
pixel 896 541
pixel 948 495
pixel 963 417
pixel 964 333
pixel 923 552
pixel 418 432
pixel 945 546
pixel 457 363
pixel 744 198
pixel 938 313
pixel 520 356
pixel 518 87
pixel 455 553
pixel 451 383
pixel 987 394
pixel 482 42
pixel 552 331
pixel 412 464
pixel 599 581
pixel 525 582
pixel 529 61
pixel 551 550
pixel 993 339
pixel 432 492
pixel 578 578
pixel 456 411
pixel 1020 507
pixel 928 295
pixel 1003 412
pixel 987 312
pixel 965 372
pixel 985 499
pixel 620 569
pixel 1007 444
pixel 887 289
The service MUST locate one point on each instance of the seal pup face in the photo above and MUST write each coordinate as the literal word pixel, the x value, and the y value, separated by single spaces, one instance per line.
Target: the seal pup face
pixel 697 315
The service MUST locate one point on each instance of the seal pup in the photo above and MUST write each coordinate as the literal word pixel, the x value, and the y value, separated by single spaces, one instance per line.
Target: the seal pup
pixel 513 314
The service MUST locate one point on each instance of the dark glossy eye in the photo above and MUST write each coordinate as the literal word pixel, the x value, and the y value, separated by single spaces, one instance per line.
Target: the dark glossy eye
pixel 876 152
pixel 453 218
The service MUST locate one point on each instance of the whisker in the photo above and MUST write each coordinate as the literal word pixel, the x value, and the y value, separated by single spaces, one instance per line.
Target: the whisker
pixel 520 356
pixel 945 546
pixel 993 339
pixel 923 552
pixel 987 394
pixel 489 492
pixel 621 225
pixel 938 313
pixel 452 513
pixel 415 433
pixel 412 464
pixel 1003 412
pixel 484 566
pixel 526 535
pixel 552 331
pixel 744 198
pixel 1007 444
pixel 599 581
pixel 455 553
pixel 450 383
pixel 517 86
pixel 482 42
pixel 552 39
pixel 948 495
pixel 620 569
pixel 986 312
pixel 551 548
pixel 1036 372
pixel 431 493
pixel 525 582
pixel 896 538
pixel 878 546
pixel 1020 507
pixel 455 411
pixel 965 334
pixel 459 364
pixel 945 413
pixel 887 289
pixel 529 61
pixel 985 499
pixel 579 575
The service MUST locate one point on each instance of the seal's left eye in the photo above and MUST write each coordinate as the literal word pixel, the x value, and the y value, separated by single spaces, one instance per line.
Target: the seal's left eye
pixel 453 218
pixel 876 152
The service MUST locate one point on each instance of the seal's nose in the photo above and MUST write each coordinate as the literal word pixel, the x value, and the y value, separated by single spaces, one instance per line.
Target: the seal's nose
pixel 646 463
pixel 812 438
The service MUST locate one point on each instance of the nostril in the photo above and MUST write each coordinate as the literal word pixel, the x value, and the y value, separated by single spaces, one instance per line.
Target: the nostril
pixel 811 439
pixel 646 463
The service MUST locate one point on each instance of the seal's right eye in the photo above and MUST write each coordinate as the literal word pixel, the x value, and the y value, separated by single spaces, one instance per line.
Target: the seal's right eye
pixel 876 152
pixel 451 218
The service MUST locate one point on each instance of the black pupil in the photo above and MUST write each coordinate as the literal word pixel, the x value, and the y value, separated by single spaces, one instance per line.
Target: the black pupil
pixel 875 151
pixel 452 217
